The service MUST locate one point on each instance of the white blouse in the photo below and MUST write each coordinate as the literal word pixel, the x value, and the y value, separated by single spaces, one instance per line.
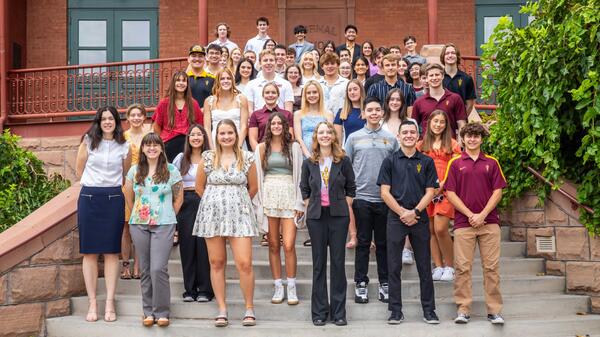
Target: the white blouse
pixel 104 165
pixel 189 178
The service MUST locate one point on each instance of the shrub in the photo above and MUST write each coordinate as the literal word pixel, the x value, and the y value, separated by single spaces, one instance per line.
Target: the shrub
pixel 24 186
pixel 547 81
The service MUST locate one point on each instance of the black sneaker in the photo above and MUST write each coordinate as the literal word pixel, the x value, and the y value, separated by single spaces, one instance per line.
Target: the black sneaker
pixel 361 293
pixel 384 295
pixel 431 318
pixel 396 317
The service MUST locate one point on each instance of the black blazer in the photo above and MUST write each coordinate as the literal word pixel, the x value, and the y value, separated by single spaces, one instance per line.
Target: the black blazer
pixel 341 185
pixel 355 54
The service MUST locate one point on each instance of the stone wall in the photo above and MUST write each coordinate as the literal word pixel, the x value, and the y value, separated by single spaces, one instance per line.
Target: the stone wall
pixel 40 287
pixel 57 153
pixel 577 254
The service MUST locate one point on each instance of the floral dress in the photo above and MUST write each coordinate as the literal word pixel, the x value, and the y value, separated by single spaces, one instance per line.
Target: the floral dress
pixel 226 208
pixel 153 203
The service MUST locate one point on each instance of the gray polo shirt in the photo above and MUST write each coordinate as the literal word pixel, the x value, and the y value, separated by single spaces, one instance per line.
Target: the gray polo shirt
pixel 367 149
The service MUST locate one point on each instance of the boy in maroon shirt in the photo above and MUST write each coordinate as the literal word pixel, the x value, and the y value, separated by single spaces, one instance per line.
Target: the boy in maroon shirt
pixel 474 183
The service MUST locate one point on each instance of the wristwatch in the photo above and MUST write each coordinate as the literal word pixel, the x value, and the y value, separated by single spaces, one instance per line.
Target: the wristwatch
pixel 417 212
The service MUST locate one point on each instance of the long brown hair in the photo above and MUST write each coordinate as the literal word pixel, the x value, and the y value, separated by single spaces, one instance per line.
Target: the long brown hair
pixel 387 112
pixel 446 135
pixel 336 149
pixel 162 170
pixel 236 148
pixel 286 140
pixel 186 161
pixel 187 96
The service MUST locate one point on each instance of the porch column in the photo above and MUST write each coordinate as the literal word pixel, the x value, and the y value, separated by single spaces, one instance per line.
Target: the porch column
pixel 432 21
pixel 203 22
pixel 3 65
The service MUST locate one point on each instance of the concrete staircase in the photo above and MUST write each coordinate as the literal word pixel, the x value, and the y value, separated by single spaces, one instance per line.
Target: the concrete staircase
pixel 534 305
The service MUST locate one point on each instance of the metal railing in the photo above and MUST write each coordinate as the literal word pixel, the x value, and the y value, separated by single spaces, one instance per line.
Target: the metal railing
pixel 69 91
pixel 56 93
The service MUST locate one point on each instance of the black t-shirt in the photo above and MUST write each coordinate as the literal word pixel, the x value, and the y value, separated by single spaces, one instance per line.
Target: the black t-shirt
pixel 408 177
pixel 461 84
pixel 201 87
pixel 372 80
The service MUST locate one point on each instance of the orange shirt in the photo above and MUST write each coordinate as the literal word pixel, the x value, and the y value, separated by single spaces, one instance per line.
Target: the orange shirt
pixel 441 158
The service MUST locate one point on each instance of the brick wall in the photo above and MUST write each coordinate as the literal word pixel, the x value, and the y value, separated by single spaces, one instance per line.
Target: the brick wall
pixel 46 33
pixel 577 253
pixel 16 30
pixel 178 27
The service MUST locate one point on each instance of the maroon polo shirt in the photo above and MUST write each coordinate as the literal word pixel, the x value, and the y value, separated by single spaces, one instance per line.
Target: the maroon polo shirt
pixel 474 182
pixel 450 103
pixel 259 119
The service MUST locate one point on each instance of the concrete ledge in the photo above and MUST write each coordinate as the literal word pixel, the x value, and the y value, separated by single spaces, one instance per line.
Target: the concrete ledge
pixel 39 229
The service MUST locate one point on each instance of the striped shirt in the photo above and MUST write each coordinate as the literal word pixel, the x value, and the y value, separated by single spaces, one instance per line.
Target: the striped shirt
pixel 381 88
pixel 367 149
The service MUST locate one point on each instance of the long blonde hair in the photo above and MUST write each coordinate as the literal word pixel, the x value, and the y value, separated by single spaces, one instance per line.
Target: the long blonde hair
pixel 348 104
pixel 315 71
pixel 239 156
pixel 304 107
pixel 336 149
pixel 217 89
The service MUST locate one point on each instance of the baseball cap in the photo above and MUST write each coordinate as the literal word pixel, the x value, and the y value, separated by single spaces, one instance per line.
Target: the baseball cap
pixel 197 49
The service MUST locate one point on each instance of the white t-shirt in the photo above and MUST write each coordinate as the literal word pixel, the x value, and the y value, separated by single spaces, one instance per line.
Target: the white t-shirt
pixel 256 44
pixel 104 165
pixel 229 44
pixel 255 87
pixel 189 178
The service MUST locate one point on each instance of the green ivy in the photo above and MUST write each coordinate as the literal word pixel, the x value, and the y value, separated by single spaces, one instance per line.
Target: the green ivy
pixel 546 79
pixel 24 186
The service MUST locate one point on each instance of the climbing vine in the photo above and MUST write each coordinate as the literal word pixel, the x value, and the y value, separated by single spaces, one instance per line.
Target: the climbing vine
pixel 546 79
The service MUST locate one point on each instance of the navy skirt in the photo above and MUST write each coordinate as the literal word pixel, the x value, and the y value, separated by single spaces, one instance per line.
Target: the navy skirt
pixel 100 214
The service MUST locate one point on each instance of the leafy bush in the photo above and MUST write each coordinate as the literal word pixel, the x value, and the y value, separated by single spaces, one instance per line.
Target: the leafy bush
pixel 546 78
pixel 24 186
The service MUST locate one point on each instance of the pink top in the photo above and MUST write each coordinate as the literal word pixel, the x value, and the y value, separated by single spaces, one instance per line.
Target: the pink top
pixel 324 196
pixel 161 118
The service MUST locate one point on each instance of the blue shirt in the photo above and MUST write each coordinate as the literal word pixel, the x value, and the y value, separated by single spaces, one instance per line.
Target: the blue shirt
pixel 352 123
pixel 153 203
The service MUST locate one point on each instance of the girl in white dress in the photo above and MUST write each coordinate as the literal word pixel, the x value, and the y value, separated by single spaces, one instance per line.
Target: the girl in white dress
pixel 226 102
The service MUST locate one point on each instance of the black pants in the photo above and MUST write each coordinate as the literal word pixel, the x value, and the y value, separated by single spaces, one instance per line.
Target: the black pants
pixel 419 238
pixel 194 255
pixel 174 146
pixel 328 231
pixel 370 217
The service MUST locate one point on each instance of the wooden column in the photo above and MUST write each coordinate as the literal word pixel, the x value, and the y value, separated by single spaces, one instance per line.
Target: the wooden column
pixel 432 21
pixel 203 22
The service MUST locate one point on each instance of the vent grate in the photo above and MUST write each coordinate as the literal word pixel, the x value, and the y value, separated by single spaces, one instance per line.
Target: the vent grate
pixel 545 244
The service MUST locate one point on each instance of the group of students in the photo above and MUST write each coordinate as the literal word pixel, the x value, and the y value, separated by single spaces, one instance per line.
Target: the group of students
pixel 377 165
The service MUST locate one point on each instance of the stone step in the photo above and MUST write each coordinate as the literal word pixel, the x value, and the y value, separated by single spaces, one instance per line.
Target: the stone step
pixel 513 285
pixel 514 307
pixel 130 326
pixel 302 234
pixel 507 249
pixel 262 270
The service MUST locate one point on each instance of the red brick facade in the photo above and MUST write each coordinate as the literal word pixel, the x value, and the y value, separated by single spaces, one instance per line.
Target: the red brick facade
pixel 44 34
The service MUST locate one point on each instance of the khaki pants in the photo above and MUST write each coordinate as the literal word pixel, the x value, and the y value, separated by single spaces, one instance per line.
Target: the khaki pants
pixel 488 237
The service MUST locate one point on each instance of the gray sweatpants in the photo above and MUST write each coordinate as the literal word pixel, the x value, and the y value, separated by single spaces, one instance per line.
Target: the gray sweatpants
pixel 153 246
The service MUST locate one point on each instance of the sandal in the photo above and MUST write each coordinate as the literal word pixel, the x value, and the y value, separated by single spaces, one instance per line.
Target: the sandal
pixel 125 271
pixel 249 318
pixel 110 315
pixel 92 315
pixel 221 320
pixel 175 238
pixel 148 321
pixel 264 241
pixel 307 243
pixel 136 276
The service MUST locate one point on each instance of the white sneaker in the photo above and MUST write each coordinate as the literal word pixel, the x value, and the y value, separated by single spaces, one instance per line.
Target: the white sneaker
pixel 277 294
pixel 407 256
pixel 291 294
pixel 448 274
pixel 437 273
